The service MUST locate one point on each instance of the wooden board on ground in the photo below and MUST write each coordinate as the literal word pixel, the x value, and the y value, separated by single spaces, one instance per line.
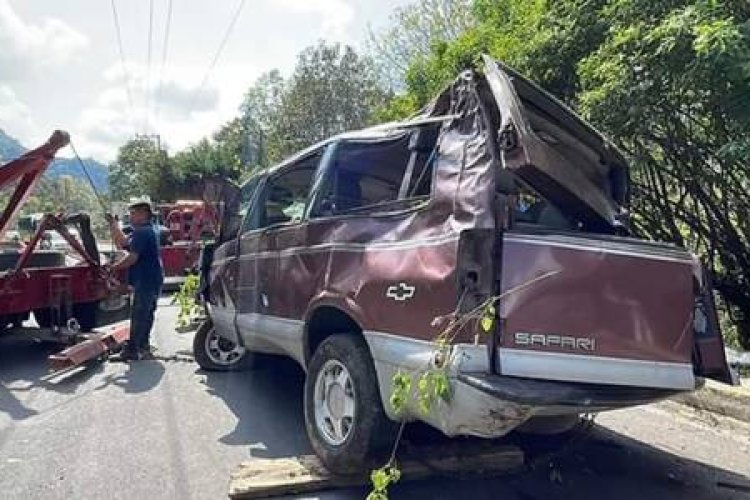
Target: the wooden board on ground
pixel 269 477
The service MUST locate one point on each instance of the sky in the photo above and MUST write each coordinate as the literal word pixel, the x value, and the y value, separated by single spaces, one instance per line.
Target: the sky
pixel 60 64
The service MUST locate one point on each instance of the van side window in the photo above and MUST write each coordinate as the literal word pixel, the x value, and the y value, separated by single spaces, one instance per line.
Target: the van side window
pixel 285 195
pixel 366 173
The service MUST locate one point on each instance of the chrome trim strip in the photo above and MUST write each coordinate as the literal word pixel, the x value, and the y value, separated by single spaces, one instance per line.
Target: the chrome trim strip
pixel 354 247
pixel 596 369
pixel 598 247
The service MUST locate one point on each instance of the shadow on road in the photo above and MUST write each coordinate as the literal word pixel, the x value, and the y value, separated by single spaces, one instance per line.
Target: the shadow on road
pixel 600 464
pixel 24 367
pixel 23 364
pixel 267 400
pixel 139 377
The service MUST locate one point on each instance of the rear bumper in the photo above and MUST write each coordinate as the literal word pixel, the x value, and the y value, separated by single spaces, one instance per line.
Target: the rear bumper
pixel 604 371
pixel 548 393
pixel 490 406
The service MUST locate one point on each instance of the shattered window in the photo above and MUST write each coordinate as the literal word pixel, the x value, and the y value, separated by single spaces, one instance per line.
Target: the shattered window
pixel 369 173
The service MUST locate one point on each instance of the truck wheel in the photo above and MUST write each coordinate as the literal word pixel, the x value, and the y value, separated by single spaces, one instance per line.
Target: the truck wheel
pixel 85 314
pixel 43 317
pixel 215 353
pixel 344 416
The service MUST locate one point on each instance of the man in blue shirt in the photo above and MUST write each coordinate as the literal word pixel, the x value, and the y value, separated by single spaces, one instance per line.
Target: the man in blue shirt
pixel 145 276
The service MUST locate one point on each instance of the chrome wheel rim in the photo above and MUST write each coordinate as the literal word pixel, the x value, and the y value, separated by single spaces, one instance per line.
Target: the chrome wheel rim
pixel 334 402
pixel 222 351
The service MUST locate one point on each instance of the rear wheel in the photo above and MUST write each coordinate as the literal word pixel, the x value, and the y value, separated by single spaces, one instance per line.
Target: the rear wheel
pixel 43 317
pixel 344 415
pixel 84 313
pixel 215 353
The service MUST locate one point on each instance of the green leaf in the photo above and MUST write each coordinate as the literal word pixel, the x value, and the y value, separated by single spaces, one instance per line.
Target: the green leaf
pixel 487 323
pixel 379 479
pixel 443 386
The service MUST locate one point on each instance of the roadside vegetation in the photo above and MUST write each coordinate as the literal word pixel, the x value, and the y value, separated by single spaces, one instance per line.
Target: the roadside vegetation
pixel 668 81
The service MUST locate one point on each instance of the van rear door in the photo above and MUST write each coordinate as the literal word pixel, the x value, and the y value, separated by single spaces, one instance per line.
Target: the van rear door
pixel 556 152
pixel 579 171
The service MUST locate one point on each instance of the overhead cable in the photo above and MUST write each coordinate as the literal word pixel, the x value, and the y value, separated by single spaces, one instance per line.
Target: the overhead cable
pixel 164 51
pixel 218 51
pixel 123 64
pixel 147 89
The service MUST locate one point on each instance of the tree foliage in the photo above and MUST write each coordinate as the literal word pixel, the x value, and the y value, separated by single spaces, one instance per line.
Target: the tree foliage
pixel 668 81
pixel 331 90
pixel 141 168
pixel 412 33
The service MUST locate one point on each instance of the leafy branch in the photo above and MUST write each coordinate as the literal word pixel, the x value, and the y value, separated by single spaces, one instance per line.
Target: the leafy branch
pixel 189 308
pixel 433 383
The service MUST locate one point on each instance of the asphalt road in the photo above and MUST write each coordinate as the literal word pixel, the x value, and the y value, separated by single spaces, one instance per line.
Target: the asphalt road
pixel 164 429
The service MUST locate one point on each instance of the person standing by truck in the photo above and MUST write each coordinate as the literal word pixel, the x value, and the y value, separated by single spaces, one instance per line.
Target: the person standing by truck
pixel 145 275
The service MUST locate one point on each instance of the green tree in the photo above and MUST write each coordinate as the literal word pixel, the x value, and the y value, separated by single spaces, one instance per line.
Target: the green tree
pixel 331 90
pixel 141 168
pixel 260 115
pixel 412 33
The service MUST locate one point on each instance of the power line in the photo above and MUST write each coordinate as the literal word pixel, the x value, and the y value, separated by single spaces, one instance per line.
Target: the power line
pixel 218 51
pixel 98 195
pixel 148 64
pixel 163 60
pixel 123 64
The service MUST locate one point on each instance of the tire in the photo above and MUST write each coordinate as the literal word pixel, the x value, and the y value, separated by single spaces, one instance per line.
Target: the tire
pixel 367 435
pixel 43 317
pixel 214 353
pixel 84 313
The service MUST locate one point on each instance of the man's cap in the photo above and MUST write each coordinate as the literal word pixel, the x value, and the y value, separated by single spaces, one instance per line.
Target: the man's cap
pixel 136 203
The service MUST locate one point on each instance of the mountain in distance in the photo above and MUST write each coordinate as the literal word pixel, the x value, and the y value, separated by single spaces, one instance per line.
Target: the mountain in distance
pixel 10 149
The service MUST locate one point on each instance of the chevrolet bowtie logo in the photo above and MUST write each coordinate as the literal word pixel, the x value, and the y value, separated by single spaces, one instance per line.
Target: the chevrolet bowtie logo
pixel 400 292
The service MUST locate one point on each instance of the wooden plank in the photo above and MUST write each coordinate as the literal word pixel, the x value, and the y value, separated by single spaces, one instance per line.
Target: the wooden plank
pixel 269 477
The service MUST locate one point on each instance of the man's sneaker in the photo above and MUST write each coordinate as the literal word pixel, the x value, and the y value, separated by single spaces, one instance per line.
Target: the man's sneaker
pixel 146 355
pixel 125 356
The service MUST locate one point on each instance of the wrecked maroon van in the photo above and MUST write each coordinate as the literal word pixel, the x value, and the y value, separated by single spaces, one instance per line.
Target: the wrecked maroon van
pixel 343 256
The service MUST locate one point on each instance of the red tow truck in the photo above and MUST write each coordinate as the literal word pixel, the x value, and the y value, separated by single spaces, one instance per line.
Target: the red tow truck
pixel 69 295
pixel 189 222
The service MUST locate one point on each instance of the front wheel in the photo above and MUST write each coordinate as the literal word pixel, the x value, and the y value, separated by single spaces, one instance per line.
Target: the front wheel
pixel 215 353
pixel 344 415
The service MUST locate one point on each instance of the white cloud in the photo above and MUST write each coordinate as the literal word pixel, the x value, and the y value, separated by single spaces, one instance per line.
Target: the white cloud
pixel 27 46
pixel 185 113
pixel 15 117
pixel 335 15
